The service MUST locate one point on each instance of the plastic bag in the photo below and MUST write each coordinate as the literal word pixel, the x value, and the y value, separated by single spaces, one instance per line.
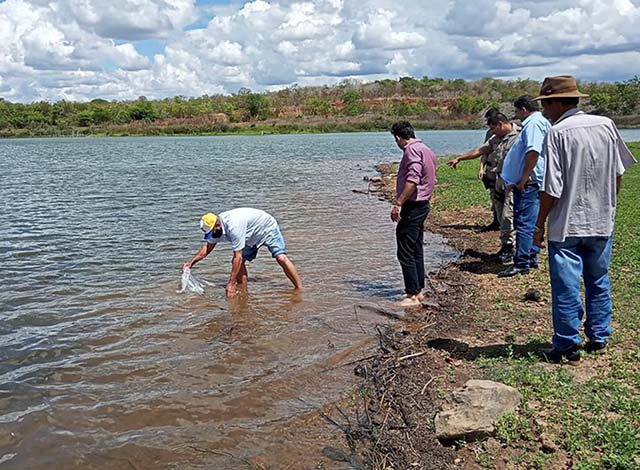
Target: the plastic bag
pixel 190 283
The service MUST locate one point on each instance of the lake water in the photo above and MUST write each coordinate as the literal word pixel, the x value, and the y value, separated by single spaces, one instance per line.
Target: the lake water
pixel 104 365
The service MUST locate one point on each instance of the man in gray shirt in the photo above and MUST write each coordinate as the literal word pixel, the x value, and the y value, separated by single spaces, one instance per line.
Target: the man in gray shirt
pixel 585 158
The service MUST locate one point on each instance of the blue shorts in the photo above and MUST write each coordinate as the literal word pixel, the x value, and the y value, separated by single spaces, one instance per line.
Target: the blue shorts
pixel 274 242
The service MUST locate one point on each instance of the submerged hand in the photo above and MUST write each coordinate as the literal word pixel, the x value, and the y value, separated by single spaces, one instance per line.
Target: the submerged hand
pixel 186 266
pixel 231 289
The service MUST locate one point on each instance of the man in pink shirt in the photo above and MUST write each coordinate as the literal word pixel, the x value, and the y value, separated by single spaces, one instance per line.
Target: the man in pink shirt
pixel 414 187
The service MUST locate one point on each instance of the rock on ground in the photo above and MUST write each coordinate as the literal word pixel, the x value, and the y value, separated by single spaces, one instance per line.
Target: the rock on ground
pixel 470 413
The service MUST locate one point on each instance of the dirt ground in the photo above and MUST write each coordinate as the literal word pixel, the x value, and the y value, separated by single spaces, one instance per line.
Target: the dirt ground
pixel 472 314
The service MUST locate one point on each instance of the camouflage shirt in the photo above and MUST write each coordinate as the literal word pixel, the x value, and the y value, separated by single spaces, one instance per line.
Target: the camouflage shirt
pixel 496 149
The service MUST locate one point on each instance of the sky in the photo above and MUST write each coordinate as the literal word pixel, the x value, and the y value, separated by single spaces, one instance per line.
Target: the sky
pixel 122 49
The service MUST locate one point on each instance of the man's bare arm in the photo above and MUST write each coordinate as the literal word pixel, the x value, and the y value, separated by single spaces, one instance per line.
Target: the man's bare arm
pixel 407 191
pixel 236 266
pixel 200 255
pixel 546 203
pixel 530 161
pixel 618 183
pixel 470 155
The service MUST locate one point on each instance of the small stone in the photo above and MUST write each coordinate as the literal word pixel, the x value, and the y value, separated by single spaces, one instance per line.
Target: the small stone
pixel 334 454
pixel 431 303
pixel 457 461
pixel 548 446
pixel 492 445
pixel 532 295
pixel 360 371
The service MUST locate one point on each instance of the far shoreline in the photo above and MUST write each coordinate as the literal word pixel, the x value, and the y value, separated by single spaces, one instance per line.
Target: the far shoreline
pixel 247 133
pixel 299 126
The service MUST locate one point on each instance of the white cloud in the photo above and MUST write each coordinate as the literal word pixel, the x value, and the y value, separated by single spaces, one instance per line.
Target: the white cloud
pixel 84 49
pixel 381 31
pixel 128 19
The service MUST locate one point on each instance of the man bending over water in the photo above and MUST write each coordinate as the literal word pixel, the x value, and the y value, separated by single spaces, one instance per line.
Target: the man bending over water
pixel 247 230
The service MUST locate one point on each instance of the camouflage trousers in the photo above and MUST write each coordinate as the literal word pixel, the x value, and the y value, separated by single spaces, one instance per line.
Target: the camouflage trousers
pixel 503 204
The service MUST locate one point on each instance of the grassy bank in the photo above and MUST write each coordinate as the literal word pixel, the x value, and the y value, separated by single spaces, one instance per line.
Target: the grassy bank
pixel 301 125
pixel 583 417
pixel 273 126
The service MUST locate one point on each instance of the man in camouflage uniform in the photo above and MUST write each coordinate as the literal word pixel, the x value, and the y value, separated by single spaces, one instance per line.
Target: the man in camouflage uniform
pixel 493 152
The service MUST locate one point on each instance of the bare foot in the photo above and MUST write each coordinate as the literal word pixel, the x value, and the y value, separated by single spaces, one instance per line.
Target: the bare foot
pixel 419 296
pixel 410 301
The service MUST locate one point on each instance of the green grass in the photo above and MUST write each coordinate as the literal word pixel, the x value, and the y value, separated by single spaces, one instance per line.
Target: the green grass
pixel 595 422
pixel 459 189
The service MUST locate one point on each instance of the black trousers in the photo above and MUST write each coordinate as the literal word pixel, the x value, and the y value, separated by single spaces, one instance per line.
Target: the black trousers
pixel 409 239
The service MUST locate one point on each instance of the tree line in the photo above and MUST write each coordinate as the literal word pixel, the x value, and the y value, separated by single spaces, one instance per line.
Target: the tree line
pixel 434 100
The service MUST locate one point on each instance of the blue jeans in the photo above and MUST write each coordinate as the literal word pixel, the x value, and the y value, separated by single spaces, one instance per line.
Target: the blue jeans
pixel 577 257
pixel 525 213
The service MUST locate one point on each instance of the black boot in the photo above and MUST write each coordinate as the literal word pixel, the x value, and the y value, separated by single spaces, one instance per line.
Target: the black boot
pixel 504 255
pixel 492 227
pixel 555 355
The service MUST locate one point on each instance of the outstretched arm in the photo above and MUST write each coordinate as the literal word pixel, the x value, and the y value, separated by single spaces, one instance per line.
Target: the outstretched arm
pixel 470 155
pixel 200 255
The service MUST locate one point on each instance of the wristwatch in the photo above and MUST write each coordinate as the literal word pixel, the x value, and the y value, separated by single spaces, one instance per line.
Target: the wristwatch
pixel 538 229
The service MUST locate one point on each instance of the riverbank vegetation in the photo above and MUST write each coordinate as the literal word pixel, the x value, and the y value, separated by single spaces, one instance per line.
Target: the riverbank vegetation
pixel 430 103
pixel 584 416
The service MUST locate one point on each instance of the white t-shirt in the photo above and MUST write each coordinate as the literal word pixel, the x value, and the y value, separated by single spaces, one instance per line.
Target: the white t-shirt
pixel 583 156
pixel 245 227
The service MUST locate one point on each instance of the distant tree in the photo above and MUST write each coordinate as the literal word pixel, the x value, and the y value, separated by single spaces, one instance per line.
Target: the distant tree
pixel 467 104
pixel 350 97
pixel 84 118
pixel 318 106
pixel 255 106
pixel 628 95
pixel 351 101
pixel 142 110
pixel 409 85
pixel 601 102
pixel 100 115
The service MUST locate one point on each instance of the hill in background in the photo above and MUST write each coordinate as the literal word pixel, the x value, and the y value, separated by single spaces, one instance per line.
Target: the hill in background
pixel 430 103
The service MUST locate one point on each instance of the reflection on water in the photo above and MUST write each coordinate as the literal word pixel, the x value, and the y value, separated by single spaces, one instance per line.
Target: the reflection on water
pixel 104 365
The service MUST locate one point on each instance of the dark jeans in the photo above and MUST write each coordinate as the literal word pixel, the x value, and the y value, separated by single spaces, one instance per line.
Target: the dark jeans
pixel 409 238
pixel 525 213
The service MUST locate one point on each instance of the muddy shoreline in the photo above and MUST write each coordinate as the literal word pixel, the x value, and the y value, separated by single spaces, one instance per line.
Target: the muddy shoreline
pixel 418 362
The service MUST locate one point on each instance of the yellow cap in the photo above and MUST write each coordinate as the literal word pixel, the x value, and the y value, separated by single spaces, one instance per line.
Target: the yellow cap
pixel 208 221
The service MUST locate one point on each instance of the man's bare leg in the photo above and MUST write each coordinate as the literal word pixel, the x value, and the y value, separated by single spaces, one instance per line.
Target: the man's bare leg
pixel 290 270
